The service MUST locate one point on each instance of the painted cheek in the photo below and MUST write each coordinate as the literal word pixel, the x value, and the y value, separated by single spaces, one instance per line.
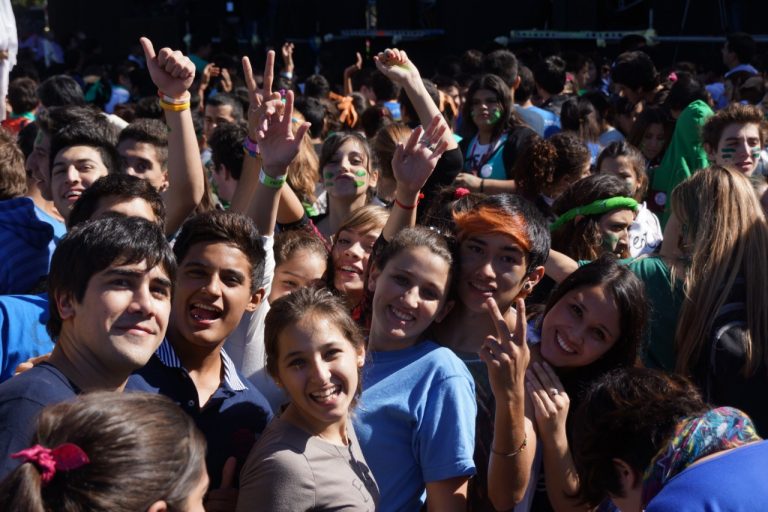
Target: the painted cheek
pixel 610 241
pixel 755 152
pixel 727 153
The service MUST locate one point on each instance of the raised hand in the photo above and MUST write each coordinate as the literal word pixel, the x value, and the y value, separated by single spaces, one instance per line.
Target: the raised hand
pixel 170 70
pixel 210 70
pixel 550 402
pixel 413 163
pixel 357 66
pixel 277 142
pixel 507 355
pixel 287 53
pixel 257 97
pixel 226 80
pixel 396 66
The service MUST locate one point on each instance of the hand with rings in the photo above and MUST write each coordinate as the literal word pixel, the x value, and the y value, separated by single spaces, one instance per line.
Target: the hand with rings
pixel 414 161
pixel 507 355
pixel 550 402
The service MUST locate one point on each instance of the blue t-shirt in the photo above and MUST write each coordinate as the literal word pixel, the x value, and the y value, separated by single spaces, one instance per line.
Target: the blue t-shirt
pixel 21 400
pixel 231 420
pixel 734 481
pixel 22 330
pixel 28 237
pixel 416 421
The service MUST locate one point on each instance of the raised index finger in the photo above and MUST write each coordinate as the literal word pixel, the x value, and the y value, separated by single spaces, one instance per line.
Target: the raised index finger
pixel 502 329
pixel 269 72
pixel 521 325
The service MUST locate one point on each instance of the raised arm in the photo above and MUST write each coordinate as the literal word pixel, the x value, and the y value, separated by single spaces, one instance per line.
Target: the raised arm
pixel 514 438
pixel 173 74
pixel 278 145
pixel 559 266
pixel 396 66
pixel 350 71
pixel 412 165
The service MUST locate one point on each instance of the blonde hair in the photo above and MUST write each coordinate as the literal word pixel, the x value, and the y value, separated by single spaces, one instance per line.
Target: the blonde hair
pixel 304 170
pixel 724 224
pixel 384 145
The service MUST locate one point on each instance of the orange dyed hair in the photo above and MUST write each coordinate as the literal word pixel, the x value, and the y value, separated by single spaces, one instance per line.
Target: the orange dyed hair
pixel 488 220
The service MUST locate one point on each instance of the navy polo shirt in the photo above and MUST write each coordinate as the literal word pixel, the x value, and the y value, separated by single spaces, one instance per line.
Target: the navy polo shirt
pixel 231 421
pixel 21 400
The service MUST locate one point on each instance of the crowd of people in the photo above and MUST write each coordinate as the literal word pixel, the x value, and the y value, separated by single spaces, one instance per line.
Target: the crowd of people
pixel 527 284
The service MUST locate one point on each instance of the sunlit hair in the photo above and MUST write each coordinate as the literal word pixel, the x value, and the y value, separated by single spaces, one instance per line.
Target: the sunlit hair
pixel 141 447
pixel 385 143
pixel 368 218
pixel 303 172
pixel 725 231
pixel 313 304
pixel 735 113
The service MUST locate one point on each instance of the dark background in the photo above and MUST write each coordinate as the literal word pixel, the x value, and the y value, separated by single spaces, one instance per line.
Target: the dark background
pixel 115 25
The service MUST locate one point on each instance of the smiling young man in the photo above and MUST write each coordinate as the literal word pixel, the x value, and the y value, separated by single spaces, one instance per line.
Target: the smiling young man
pixel 735 137
pixel 110 288
pixel 221 263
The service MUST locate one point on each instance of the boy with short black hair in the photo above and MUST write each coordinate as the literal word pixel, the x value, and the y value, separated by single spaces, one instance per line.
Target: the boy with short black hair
pixel 221 267
pixel 110 287
pixel 143 149
pixel 226 145
pixel 22 95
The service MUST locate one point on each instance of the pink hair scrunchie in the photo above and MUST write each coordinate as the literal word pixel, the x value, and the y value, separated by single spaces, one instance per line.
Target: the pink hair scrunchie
pixel 65 457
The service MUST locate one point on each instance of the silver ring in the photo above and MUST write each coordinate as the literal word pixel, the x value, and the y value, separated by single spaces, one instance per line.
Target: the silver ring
pixel 554 391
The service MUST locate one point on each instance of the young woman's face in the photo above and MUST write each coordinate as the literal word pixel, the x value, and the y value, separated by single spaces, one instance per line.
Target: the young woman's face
pixel 303 268
pixel 580 328
pixel 492 265
pixel 486 108
pixel 350 255
pixel 346 175
pixel 621 168
pixel 614 231
pixel 409 294
pixel 653 141
pixel 318 367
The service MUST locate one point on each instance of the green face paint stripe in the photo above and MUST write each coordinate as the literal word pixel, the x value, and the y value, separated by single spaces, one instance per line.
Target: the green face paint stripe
pixel 728 150
pixel 360 173
pixel 359 184
pixel 328 175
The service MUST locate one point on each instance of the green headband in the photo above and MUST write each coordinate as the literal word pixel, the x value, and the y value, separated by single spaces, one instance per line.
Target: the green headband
pixel 595 208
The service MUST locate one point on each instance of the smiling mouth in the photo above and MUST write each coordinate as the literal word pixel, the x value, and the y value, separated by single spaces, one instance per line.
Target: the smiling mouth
pixel 563 345
pixel 73 195
pixel 205 312
pixel 351 270
pixel 401 315
pixel 326 395
pixel 484 289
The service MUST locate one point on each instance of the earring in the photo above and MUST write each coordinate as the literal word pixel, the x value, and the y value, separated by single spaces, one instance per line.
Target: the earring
pixel 527 286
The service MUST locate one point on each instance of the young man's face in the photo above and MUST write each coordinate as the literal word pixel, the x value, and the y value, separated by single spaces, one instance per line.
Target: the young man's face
pixel 122 317
pixel 214 116
pixel 141 159
pixel 213 290
pixel 739 146
pixel 74 169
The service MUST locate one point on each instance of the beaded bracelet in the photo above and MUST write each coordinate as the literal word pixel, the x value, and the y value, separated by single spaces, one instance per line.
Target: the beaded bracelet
pixel 251 147
pixel 271 182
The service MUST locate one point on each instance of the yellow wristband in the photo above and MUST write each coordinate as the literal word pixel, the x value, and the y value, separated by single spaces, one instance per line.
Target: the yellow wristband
pixel 174 107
